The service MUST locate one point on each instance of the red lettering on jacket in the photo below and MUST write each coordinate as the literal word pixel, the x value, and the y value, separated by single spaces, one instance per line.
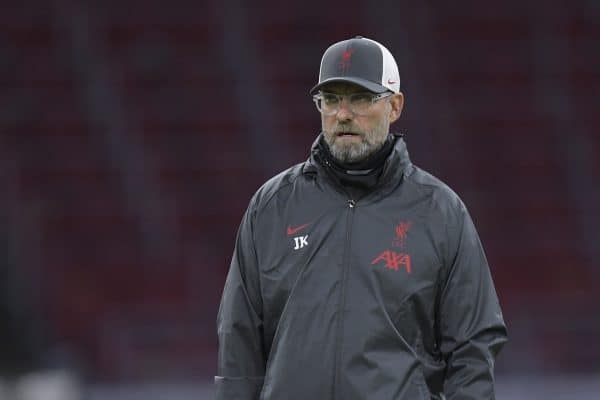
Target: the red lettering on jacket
pixel 394 260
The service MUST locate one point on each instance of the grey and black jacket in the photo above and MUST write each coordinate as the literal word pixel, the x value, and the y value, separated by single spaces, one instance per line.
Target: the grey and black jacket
pixel 388 297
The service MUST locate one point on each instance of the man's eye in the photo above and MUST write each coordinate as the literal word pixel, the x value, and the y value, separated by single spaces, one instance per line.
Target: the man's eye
pixel 361 98
pixel 329 99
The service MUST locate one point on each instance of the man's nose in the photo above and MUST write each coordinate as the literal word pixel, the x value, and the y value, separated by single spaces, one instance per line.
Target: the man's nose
pixel 344 113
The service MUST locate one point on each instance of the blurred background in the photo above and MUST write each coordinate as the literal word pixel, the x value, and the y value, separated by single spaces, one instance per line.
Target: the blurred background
pixel 133 134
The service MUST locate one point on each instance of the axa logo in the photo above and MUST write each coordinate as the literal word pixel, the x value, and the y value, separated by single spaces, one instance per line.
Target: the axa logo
pixel 299 241
pixel 396 260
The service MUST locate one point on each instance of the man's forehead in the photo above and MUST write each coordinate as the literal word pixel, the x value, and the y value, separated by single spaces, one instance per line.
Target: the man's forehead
pixel 343 88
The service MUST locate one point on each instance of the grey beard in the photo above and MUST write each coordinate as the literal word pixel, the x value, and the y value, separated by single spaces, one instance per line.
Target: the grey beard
pixel 369 145
pixel 351 154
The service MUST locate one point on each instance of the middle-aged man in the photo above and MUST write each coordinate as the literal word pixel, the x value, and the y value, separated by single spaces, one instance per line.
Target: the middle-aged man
pixel 356 274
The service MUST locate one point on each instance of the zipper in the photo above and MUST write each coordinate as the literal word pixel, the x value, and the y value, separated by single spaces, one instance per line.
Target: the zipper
pixel 345 267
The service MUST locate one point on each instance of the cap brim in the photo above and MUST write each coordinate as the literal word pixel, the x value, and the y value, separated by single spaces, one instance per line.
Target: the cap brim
pixel 370 86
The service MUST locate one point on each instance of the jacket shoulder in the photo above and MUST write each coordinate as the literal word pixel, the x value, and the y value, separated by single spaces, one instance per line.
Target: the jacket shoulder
pixel 446 199
pixel 278 183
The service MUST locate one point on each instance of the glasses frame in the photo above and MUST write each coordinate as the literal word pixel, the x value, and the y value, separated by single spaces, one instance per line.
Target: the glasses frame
pixel 340 97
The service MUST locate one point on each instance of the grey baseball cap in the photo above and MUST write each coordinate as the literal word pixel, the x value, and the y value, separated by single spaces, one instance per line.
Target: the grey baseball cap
pixel 361 61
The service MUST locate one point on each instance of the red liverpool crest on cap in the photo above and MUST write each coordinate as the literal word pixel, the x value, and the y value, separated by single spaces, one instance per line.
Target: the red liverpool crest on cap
pixel 345 63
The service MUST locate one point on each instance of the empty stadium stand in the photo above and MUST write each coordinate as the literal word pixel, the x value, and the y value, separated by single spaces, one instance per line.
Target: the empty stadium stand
pixel 132 138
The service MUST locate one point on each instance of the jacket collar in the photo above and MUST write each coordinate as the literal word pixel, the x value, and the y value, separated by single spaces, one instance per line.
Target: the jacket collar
pixel 396 165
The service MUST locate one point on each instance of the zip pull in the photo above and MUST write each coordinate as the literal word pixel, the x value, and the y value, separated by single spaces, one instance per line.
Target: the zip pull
pixel 351 203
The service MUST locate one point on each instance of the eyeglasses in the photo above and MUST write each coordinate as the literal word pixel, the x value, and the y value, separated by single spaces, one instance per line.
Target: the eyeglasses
pixel 360 103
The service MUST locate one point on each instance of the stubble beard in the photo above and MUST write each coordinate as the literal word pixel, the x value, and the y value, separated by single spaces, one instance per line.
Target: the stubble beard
pixel 355 152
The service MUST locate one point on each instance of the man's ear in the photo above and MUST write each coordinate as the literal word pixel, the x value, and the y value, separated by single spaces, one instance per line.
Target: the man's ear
pixel 396 103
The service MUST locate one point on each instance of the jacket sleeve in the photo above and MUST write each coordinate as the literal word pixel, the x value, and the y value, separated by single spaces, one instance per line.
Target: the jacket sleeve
pixel 241 361
pixel 472 329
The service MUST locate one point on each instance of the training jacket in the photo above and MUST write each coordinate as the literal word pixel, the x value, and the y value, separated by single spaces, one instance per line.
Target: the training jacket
pixel 386 297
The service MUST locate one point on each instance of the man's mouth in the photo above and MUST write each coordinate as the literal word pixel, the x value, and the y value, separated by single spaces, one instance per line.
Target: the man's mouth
pixel 346 134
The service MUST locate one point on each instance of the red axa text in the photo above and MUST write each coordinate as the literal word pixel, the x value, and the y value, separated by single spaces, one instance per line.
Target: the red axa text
pixel 394 260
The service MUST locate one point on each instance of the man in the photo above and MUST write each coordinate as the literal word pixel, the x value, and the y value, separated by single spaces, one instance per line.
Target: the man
pixel 357 275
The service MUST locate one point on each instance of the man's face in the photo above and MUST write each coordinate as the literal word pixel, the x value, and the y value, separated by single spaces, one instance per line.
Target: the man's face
pixel 352 137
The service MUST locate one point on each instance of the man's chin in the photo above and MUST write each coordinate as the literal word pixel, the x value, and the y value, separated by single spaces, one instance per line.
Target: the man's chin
pixel 349 152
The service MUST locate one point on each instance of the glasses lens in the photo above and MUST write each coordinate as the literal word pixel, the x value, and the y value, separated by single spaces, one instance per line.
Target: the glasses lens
pixel 360 102
pixel 329 103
